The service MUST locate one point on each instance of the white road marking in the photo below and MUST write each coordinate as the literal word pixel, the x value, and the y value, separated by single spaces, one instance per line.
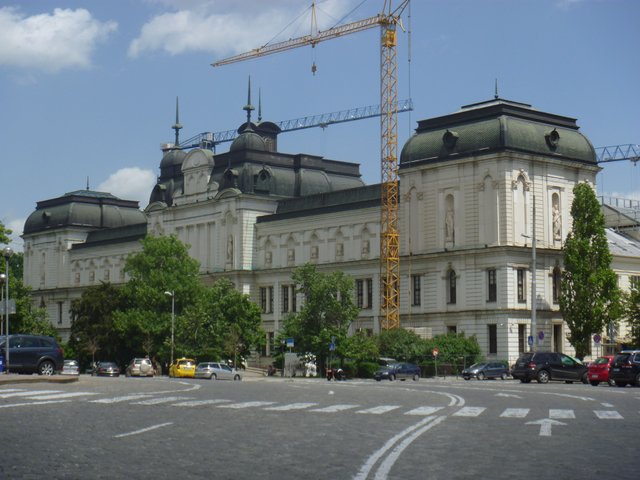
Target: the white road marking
pixel 469 412
pixel 515 413
pixel 508 395
pixel 545 426
pixel 158 401
pixel 61 395
pixel 423 411
pixel 334 408
pixel 143 430
pixel 33 403
pixel 379 410
pixel 608 415
pixel 197 403
pixel 247 405
pixel 291 406
pixel 607 405
pixel 7 390
pixel 553 413
pixel 28 393
pixel 424 425
pixel 126 398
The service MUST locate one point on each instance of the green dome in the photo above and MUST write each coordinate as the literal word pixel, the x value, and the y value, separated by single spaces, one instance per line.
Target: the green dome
pixel 248 140
pixel 496 125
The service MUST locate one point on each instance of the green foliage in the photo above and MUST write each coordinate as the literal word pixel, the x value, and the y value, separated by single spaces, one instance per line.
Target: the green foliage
pixel 632 312
pixel 327 312
pixel 360 348
pixel 403 345
pixel 590 298
pixel 366 369
pixel 4 235
pixel 453 348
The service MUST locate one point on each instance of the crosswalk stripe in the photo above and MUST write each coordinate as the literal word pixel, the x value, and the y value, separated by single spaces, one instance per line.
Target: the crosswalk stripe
pixel 126 398
pixel 379 410
pixel 469 412
pixel 27 404
pixel 246 405
pixel 515 413
pixel 197 403
pixel 334 408
pixel 608 415
pixel 8 390
pixel 157 401
pixel 423 411
pixel 291 406
pixel 557 414
pixel 61 395
pixel 28 393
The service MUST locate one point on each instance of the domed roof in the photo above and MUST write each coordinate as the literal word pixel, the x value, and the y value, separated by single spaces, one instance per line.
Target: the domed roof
pixel 248 140
pixel 84 208
pixel 496 125
pixel 171 163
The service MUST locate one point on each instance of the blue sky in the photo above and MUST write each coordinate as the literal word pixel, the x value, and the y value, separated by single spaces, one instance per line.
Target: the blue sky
pixel 88 88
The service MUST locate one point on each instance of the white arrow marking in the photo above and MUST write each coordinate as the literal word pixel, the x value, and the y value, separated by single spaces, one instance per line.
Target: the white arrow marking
pixel 508 395
pixel 545 426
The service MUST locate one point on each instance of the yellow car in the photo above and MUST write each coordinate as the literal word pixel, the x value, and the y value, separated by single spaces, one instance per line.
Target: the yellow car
pixel 183 367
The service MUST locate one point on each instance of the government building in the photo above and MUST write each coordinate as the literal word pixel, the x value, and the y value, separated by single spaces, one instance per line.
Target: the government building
pixel 477 188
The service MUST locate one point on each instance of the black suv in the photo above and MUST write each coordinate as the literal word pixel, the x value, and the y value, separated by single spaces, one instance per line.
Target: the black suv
pixel 33 354
pixel 545 366
pixel 625 368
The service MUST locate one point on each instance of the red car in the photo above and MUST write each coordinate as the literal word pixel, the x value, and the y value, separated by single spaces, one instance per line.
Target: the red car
pixel 599 370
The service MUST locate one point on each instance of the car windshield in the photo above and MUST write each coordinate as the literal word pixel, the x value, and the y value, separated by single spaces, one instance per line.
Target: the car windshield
pixel 477 365
pixel 601 361
pixel 107 364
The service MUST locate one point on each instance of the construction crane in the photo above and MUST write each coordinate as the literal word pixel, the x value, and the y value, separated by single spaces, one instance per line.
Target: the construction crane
pixel 387 20
pixel 618 153
pixel 209 139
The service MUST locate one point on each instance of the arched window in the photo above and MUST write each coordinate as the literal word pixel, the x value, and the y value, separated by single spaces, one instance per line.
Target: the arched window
pixel 556 284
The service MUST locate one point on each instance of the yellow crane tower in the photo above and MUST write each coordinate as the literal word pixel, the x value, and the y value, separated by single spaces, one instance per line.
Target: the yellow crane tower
pixel 388 19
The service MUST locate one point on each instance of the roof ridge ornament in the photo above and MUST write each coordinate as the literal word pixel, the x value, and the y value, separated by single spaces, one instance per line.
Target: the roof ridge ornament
pixel 248 108
pixel 176 126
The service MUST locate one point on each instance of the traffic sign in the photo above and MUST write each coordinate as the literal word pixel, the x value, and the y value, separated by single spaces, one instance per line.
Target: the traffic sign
pixel 597 338
pixel 435 352
pixel 541 335
pixel 530 340
pixel 289 342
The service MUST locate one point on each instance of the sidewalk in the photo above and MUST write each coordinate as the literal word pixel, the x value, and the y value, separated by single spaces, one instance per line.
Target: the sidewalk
pixel 12 378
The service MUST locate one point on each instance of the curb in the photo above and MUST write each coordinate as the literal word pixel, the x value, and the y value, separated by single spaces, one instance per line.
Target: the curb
pixel 7 379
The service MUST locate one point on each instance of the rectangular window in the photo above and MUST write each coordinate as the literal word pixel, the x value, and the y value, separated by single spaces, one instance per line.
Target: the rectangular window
pixel 270 306
pixel 522 337
pixel 266 299
pixel 492 293
pixel 522 298
pixel 634 282
pixel 415 290
pixel 493 338
pixel 452 329
pixel 285 298
pixel 360 293
pixel 364 293
pixel 369 292
pixel 452 287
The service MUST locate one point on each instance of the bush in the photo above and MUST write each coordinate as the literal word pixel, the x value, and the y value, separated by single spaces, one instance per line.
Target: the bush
pixel 367 369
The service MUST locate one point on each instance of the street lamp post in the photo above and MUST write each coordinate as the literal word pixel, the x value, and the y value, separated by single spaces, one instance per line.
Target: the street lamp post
pixel 3 279
pixel 6 253
pixel 172 294
pixel 534 300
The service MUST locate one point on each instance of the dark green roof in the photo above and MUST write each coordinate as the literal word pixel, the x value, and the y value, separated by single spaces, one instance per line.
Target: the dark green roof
pixel 497 125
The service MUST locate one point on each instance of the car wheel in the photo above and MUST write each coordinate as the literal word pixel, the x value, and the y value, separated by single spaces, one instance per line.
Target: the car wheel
pixel 213 377
pixel 377 379
pixel 585 378
pixel 481 376
pixel 503 376
pixel 543 376
pixel 638 380
pixel 237 377
pixel 621 384
pixel 594 383
pixel 467 378
pixel 612 383
pixel 46 368
pixel 392 378
pixel 416 377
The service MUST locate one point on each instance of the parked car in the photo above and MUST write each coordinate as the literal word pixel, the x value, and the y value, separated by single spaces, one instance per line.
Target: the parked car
pixel 183 367
pixel 599 370
pixel 625 368
pixel 486 370
pixel 545 366
pixel 401 371
pixel 70 367
pixel 33 354
pixel 106 369
pixel 139 367
pixel 217 371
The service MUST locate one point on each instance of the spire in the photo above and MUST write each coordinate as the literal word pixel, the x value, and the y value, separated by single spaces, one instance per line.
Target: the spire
pixel 495 95
pixel 259 105
pixel 88 182
pixel 248 107
pixel 176 126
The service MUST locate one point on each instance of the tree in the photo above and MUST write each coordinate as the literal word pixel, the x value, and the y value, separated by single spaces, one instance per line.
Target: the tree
pixel 403 345
pixel 326 314
pixel 163 266
pixel 589 297
pixel 632 312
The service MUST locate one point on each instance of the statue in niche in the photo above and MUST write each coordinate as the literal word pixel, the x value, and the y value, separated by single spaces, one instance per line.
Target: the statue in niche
pixel 557 223
pixel 268 258
pixel 314 252
pixel 365 247
pixel 291 255
pixel 339 250
pixel 229 248
pixel 448 225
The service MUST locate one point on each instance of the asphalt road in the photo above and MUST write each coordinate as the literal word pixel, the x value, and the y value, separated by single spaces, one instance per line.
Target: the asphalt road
pixel 113 428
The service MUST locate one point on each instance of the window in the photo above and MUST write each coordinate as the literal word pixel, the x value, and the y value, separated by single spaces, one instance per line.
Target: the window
pixel 452 329
pixel 522 298
pixel 493 338
pixel 555 279
pixel 285 298
pixel 415 290
pixel 452 287
pixel 634 282
pixel 522 337
pixel 492 293
pixel 266 299
pixel 364 293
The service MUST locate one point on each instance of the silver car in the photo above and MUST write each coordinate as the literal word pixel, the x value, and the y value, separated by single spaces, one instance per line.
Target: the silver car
pixel 140 367
pixel 217 371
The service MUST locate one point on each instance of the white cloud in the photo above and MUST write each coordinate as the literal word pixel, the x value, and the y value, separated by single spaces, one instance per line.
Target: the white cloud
pixel 16 226
pixel 50 42
pixel 225 27
pixel 130 184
